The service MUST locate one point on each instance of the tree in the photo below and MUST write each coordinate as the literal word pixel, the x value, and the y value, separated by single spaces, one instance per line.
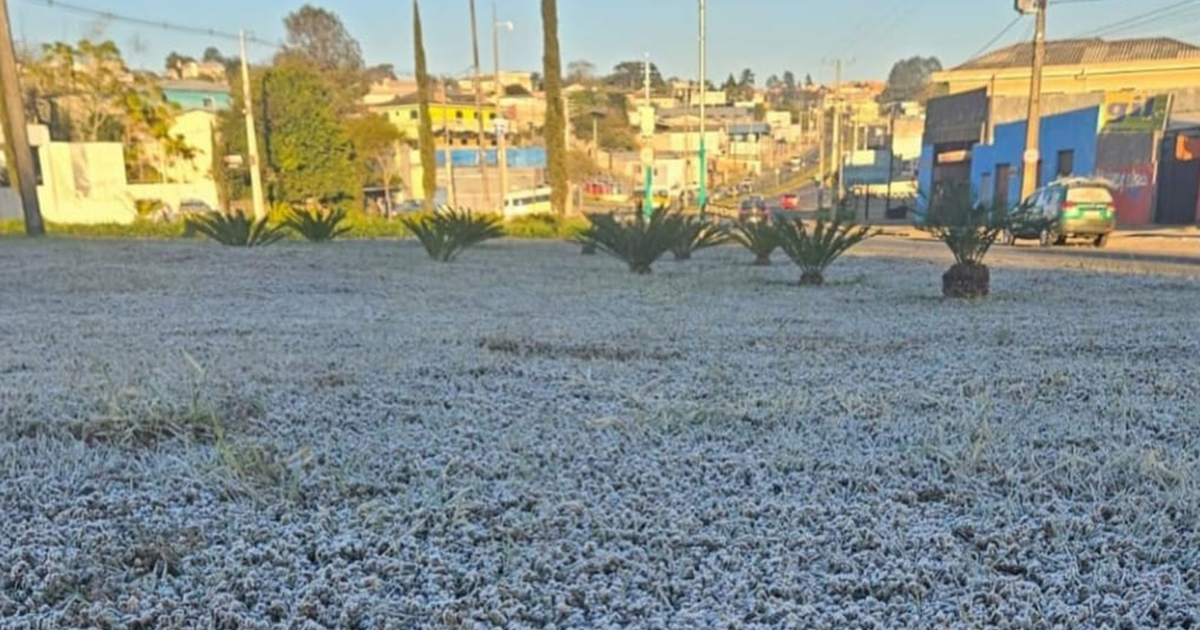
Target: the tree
pixel 308 152
pixel 808 80
pixel 909 78
pixel 213 54
pixel 425 94
pixel 175 62
pixel 612 123
pixel 381 72
pixel 747 80
pixel 375 144
pixel 730 85
pixel 631 75
pixel 581 71
pixel 556 119
pixel 89 81
pixel 320 36
pixel 774 82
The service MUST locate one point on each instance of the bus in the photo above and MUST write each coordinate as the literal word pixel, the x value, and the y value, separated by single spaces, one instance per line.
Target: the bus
pixel 526 202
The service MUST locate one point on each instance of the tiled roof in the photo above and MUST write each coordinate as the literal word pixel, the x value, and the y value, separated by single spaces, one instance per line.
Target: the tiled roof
pixel 1074 52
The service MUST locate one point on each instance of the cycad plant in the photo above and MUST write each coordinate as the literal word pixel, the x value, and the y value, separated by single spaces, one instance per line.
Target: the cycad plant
pixel 760 237
pixel 696 234
pixel 640 242
pixel 969 230
pixel 816 248
pixel 234 229
pixel 447 232
pixel 317 225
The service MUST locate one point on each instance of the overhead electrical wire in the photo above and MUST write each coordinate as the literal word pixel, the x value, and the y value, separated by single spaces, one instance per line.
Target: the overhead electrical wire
pixel 158 24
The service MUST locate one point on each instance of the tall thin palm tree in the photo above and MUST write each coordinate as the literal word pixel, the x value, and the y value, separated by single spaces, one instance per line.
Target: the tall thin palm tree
pixel 556 117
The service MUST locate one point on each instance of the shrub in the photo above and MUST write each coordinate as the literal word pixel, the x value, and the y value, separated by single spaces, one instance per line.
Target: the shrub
pixel 316 225
pixel 640 242
pixel 447 232
pixel 139 229
pixel 969 230
pixel 235 229
pixel 759 237
pixel 696 234
pixel 814 250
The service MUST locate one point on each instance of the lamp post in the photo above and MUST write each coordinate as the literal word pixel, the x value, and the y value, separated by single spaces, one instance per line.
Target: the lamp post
pixel 703 103
pixel 501 125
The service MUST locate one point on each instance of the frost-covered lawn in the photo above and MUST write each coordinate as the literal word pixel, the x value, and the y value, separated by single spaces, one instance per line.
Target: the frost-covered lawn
pixel 351 436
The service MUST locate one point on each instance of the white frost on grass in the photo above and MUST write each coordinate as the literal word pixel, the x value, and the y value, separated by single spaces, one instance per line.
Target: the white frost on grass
pixel 533 439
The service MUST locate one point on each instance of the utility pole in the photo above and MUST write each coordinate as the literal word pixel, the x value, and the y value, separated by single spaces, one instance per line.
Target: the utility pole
pixel 1029 179
pixel 703 108
pixel 821 155
pixel 256 186
pixel 487 192
pixel 451 194
pixel 647 122
pixel 16 134
pixel 891 157
pixel 837 131
pixel 501 125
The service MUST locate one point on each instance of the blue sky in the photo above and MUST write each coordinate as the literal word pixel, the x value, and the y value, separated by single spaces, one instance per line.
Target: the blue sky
pixel 769 36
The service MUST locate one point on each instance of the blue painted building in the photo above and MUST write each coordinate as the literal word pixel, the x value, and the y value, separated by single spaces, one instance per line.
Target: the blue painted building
pixel 1068 148
pixel 518 157
pixel 191 95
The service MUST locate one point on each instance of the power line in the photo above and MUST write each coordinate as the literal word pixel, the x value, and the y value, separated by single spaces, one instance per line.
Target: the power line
pixel 166 26
pixel 1004 31
pixel 1141 19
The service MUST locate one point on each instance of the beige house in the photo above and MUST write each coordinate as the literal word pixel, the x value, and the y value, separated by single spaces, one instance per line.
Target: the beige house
pixel 1075 66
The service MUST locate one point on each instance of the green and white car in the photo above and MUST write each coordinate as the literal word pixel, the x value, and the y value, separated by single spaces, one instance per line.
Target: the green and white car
pixel 1066 209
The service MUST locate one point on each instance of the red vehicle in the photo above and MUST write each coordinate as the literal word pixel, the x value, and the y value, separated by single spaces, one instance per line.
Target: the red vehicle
pixel 790 201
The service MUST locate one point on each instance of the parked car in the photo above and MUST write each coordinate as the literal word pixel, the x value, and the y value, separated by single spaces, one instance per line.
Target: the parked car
pixel 753 209
pixel 1066 209
pixel 790 201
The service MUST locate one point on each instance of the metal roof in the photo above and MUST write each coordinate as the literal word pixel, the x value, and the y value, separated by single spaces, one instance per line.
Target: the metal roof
pixel 1075 52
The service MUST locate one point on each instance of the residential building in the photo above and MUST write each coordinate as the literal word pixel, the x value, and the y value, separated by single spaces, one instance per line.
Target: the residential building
pixel 195 94
pixel 386 90
pixel 751 147
pixel 522 80
pixel 193 70
pixel 459 113
pixel 1111 109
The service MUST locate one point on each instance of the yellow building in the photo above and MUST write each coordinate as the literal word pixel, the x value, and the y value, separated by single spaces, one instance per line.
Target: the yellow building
pixel 1076 66
pixel 459 114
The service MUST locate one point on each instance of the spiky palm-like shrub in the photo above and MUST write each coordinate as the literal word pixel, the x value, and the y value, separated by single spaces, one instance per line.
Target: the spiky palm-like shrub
pixel 317 226
pixel 234 229
pixel 970 231
pixel 448 232
pixel 759 237
pixel 695 235
pixel 816 248
pixel 640 242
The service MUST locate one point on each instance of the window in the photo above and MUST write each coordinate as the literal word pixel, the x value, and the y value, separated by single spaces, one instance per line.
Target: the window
pixel 412 115
pixel 458 115
pixel 1003 173
pixel 208 102
pixel 1066 163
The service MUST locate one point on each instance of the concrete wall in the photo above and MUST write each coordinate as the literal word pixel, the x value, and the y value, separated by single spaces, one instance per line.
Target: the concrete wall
pixel 1075 131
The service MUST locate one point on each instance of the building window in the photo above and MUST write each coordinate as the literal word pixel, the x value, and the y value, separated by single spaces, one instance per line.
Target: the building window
pixel 208 102
pixel 1003 175
pixel 458 115
pixel 1066 163
pixel 412 115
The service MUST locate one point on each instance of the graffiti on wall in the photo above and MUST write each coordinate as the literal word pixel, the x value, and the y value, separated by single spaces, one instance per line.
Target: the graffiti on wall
pixel 1133 191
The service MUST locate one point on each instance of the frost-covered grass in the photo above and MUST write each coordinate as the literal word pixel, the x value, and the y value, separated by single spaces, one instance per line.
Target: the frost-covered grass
pixel 352 436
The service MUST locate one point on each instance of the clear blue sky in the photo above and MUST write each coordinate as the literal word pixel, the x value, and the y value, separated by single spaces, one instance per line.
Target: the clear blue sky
pixel 769 36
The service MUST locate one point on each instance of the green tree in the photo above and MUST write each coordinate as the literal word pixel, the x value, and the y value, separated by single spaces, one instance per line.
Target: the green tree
pixel 89 82
pixel 308 152
pixel 319 36
pixel 175 62
pixel 631 75
pixel 556 122
pixel 909 79
pixel 375 144
pixel 608 109
pixel 425 94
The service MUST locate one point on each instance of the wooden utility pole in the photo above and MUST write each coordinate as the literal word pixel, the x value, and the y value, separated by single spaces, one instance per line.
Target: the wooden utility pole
pixel 1032 158
pixel 16 135
pixel 256 186
pixel 483 174
pixel 451 194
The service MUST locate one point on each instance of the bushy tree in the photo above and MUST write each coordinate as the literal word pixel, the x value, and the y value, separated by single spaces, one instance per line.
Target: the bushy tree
pixel 375 144
pixel 308 151
pixel 631 75
pixel 909 79
pixel 556 118
pixel 320 37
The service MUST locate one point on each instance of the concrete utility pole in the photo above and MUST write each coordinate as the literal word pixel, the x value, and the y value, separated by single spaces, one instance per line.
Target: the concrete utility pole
pixel 648 148
pixel 1032 158
pixel 16 135
pixel 501 125
pixel 891 156
pixel 487 192
pixel 820 155
pixel 256 186
pixel 703 198
pixel 837 132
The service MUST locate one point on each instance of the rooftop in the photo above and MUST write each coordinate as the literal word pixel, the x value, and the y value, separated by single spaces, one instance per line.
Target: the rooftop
pixel 1074 52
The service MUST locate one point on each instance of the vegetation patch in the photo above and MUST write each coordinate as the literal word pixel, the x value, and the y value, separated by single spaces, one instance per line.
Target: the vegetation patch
pixel 582 352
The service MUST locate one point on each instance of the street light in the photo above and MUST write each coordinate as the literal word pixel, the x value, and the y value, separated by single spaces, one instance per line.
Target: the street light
pixel 501 125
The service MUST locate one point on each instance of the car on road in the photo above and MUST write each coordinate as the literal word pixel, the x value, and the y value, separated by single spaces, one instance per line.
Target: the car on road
pixel 1076 208
pixel 753 209
pixel 790 201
